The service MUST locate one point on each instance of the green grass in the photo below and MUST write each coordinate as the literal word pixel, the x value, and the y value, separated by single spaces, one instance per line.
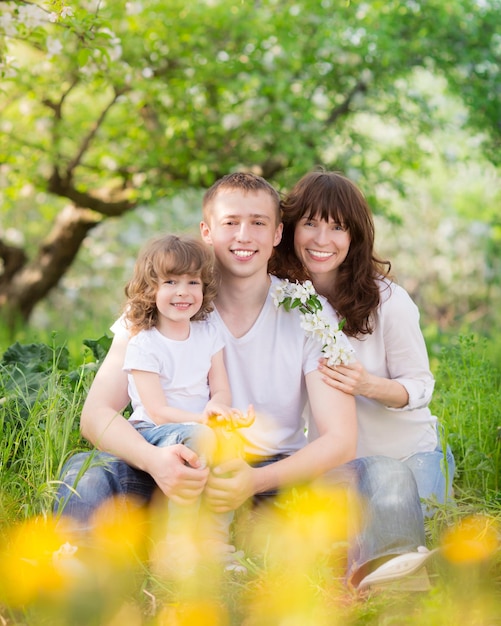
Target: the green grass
pixel 293 578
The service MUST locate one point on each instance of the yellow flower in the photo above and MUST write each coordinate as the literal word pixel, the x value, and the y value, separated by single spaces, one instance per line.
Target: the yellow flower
pixel 195 613
pixel 27 567
pixel 120 531
pixel 473 540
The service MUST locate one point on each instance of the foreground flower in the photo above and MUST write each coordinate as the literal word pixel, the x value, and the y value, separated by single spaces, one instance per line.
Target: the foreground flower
pixel 473 540
pixel 27 569
pixel 302 296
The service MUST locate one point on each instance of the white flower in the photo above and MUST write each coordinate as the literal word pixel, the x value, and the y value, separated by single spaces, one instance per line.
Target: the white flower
pixel 31 15
pixel 54 46
pixel 335 346
pixel 66 12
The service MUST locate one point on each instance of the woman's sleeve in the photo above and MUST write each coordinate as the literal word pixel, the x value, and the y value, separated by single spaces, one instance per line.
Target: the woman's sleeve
pixel 406 354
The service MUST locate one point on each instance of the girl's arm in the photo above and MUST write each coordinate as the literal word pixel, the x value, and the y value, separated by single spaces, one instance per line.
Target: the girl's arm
pixel 219 386
pixel 153 399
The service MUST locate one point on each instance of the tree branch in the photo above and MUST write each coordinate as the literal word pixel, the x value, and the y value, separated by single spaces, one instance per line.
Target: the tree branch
pixel 73 164
pixel 34 280
pixel 344 107
pixel 108 207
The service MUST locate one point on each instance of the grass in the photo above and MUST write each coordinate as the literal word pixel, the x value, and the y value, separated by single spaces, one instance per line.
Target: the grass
pixel 294 556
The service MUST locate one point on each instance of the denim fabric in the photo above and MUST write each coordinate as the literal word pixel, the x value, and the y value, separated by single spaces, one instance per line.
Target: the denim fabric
pixel 88 479
pixel 392 515
pixel 434 474
pixel 392 519
pixel 202 440
pixel 197 437
pixel 98 476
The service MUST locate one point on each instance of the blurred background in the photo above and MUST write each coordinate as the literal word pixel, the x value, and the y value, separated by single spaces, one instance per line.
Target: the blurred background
pixel 116 116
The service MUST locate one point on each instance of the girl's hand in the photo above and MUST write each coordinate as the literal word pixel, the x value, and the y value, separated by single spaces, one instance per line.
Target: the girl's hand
pixel 229 417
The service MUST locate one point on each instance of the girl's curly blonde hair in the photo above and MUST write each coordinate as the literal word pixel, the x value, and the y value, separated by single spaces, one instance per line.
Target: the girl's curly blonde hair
pixel 162 257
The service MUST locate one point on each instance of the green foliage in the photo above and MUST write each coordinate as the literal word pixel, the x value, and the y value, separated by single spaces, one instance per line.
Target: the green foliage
pixel 112 106
pixel 41 397
pixel 466 402
pixel 41 393
pixel 175 90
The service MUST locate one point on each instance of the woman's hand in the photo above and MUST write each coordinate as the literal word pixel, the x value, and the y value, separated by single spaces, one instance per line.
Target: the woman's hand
pixel 230 485
pixel 351 378
pixel 355 380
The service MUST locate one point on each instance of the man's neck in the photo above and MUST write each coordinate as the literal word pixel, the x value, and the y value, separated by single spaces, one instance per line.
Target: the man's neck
pixel 240 300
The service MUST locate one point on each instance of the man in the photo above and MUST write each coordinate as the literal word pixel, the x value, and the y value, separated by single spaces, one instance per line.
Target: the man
pixel 272 366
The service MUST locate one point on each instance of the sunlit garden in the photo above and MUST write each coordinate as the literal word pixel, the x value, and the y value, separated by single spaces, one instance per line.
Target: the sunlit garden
pixel 115 117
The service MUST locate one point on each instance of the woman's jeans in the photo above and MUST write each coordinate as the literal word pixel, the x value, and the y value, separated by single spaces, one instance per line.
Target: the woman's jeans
pixel 434 473
pixel 392 516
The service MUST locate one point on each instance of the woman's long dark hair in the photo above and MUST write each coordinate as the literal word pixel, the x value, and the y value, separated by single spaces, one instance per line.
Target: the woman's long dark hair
pixel 332 196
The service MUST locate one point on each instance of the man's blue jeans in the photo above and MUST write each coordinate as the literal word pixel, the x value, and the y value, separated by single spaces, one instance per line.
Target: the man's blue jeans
pixel 392 515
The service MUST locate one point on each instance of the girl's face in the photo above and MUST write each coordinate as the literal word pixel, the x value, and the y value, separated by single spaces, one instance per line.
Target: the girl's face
pixel 178 298
pixel 321 246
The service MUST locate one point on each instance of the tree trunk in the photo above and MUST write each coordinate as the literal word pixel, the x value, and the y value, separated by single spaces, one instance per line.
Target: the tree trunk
pixel 23 284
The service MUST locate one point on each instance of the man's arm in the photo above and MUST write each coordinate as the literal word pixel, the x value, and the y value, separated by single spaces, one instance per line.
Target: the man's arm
pixel 335 415
pixel 103 425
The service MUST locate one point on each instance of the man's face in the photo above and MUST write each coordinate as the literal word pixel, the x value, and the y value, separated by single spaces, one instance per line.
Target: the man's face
pixel 243 231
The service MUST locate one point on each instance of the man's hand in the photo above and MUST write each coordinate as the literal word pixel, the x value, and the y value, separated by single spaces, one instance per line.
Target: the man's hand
pixel 230 485
pixel 177 471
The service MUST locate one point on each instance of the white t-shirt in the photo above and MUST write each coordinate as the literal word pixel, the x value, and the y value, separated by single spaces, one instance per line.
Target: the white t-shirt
pixel 183 366
pixel 397 350
pixel 266 368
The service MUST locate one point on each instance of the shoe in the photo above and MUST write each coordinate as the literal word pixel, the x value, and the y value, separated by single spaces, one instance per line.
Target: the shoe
pixel 407 569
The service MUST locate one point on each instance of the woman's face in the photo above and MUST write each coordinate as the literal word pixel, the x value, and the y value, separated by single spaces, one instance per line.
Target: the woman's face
pixel 321 246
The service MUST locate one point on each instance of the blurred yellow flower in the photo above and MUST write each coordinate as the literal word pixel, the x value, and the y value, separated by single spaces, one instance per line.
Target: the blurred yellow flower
pixel 120 530
pixel 473 540
pixel 195 613
pixel 320 514
pixel 27 568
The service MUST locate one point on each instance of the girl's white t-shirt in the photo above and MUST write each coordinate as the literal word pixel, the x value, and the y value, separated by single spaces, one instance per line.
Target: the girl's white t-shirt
pixel 182 366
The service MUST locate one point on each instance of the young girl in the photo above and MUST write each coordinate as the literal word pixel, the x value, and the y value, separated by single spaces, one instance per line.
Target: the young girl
pixel 178 383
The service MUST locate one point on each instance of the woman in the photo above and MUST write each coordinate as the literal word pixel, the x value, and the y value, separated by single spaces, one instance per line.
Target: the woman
pixel 328 238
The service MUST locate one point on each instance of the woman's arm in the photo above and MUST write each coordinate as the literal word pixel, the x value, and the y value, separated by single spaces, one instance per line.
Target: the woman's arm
pixel 393 366
pixel 355 380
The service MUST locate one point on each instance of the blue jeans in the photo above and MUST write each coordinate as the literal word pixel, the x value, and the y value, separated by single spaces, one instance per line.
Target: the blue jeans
pixel 202 440
pixel 393 518
pixel 434 473
pixel 90 479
